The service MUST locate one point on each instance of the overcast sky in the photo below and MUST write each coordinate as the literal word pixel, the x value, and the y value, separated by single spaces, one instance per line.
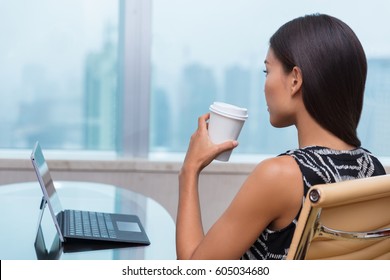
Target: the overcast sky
pixel 57 34
pixel 244 27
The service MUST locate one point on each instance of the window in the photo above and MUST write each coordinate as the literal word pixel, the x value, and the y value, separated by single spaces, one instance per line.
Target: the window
pixel 58 78
pixel 133 76
pixel 204 51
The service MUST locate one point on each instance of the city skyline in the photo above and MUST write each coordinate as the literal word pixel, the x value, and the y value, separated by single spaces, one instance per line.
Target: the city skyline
pixel 53 65
pixel 199 86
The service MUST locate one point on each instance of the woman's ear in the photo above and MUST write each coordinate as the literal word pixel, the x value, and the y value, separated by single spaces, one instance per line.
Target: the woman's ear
pixel 296 80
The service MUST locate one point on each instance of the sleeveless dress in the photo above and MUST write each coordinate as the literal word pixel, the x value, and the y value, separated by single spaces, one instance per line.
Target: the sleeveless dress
pixel 318 165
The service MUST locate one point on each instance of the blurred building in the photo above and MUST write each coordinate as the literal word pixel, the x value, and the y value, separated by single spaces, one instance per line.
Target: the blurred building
pixel 101 94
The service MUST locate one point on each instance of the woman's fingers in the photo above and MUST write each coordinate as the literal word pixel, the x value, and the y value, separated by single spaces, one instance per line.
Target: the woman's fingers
pixel 202 121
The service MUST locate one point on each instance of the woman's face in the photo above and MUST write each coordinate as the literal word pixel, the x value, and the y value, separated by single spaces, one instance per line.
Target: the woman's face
pixel 277 90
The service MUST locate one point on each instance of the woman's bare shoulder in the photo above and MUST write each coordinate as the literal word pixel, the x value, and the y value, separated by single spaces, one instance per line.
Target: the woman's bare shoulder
pixel 278 169
pixel 280 182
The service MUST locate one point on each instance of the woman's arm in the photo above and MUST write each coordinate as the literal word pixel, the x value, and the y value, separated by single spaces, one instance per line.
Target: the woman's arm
pixel 201 151
pixel 189 228
pixel 267 198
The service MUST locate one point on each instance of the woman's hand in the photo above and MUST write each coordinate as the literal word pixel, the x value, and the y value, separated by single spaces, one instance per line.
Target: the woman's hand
pixel 201 151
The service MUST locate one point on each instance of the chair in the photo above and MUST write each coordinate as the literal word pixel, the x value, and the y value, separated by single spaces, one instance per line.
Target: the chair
pixel 345 220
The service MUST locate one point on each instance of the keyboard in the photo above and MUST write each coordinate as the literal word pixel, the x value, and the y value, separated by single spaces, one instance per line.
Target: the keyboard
pixel 90 224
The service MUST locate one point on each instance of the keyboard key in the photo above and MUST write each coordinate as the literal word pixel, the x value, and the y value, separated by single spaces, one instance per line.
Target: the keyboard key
pixel 84 223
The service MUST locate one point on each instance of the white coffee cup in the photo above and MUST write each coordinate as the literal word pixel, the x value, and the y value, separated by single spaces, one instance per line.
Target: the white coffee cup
pixel 225 123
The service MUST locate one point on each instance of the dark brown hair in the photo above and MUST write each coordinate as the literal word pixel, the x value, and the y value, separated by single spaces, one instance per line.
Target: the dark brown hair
pixel 334 69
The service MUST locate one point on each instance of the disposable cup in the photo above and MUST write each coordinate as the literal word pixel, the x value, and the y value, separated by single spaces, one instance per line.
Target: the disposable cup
pixel 225 123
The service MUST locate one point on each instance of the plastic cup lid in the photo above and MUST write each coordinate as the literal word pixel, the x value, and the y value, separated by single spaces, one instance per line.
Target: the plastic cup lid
pixel 229 110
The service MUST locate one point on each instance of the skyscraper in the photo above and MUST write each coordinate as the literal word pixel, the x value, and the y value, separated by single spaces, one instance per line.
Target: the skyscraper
pixel 198 89
pixel 101 97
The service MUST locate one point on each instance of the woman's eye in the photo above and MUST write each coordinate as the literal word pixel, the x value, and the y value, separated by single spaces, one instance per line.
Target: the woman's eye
pixel 266 72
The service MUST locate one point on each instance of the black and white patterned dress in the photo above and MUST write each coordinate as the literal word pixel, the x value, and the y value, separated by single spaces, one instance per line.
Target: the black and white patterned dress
pixel 318 165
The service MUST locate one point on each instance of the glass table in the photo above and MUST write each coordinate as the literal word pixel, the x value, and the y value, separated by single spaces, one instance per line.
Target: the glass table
pixel 23 237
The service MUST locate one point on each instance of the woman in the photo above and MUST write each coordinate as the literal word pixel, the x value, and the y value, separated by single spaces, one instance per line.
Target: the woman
pixel 315 77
